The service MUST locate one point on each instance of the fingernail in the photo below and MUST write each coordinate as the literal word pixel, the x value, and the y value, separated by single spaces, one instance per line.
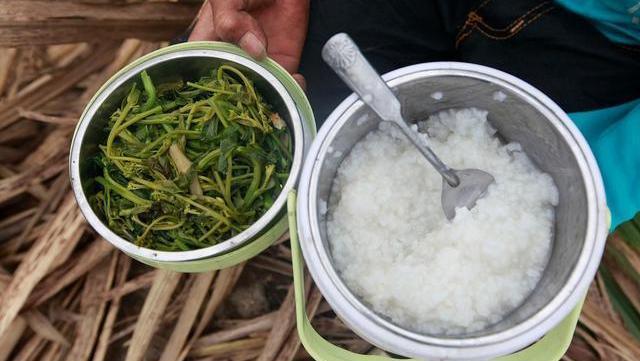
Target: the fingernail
pixel 252 45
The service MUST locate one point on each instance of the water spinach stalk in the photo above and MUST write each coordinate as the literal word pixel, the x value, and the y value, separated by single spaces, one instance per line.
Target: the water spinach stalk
pixel 186 165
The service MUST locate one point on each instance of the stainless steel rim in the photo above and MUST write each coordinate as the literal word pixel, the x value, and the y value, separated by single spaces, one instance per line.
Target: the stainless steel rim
pixel 393 338
pixel 299 134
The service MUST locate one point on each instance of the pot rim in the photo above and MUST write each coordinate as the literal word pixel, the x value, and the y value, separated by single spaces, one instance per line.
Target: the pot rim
pixel 199 49
pixel 389 336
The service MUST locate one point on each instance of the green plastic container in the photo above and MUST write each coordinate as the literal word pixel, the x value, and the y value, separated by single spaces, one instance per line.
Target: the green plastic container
pixel 550 347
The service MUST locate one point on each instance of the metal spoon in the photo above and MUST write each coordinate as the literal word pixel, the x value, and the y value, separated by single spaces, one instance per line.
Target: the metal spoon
pixel 460 188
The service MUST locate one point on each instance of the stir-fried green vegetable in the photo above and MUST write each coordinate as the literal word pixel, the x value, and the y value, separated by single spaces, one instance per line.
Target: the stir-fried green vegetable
pixel 185 166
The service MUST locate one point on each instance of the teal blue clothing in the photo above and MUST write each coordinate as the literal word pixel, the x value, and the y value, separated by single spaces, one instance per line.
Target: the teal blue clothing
pixel 619 20
pixel 614 137
pixel 614 133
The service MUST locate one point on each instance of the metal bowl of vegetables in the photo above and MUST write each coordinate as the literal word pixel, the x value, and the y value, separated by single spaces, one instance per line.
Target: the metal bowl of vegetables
pixel 184 158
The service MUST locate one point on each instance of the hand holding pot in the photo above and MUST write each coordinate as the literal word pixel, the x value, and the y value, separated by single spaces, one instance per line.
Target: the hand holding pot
pixel 274 28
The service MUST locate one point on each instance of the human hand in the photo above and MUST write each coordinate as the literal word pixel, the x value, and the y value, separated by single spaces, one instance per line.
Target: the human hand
pixel 276 28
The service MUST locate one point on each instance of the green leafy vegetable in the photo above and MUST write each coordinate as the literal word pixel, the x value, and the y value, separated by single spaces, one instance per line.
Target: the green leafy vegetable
pixel 186 165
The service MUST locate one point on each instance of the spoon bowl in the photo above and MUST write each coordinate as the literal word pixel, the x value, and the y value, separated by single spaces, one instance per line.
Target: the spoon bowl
pixel 473 185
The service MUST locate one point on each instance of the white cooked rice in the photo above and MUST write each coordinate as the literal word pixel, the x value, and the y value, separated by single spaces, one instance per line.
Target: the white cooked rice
pixel 395 249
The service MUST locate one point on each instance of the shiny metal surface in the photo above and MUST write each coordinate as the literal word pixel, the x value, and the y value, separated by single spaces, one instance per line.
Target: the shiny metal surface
pixel 520 113
pixel 460 188
pixel 170 65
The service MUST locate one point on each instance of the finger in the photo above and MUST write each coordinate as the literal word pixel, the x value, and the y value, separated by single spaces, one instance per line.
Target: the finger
pixel 203 30
pixel 233 24
pixel 300 80
pixel 285 24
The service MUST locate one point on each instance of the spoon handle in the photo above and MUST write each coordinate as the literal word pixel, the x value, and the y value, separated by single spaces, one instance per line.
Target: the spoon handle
pixel 345 58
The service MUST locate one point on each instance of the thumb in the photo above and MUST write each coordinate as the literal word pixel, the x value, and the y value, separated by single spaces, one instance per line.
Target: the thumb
pixel 233 24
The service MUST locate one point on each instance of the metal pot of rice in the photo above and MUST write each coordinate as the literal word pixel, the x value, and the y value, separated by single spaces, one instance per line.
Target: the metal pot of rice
pixel 520 114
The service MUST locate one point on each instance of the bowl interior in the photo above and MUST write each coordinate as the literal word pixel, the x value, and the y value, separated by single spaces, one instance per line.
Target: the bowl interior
pixel 516 120
pixel 188 66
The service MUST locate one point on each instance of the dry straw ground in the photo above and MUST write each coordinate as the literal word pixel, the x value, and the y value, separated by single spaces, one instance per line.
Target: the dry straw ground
pixel 66 294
